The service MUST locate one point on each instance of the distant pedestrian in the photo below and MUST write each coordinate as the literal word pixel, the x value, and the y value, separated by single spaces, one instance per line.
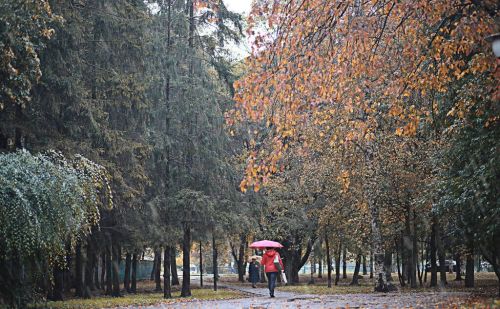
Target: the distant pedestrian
pixel 273 265
pixel 254 271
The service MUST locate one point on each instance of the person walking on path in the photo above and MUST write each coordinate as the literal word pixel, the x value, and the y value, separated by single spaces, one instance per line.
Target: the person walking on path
pixel 254 271
pixel 273 265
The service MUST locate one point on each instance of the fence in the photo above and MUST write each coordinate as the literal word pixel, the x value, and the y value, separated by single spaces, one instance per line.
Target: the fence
pixel 143 269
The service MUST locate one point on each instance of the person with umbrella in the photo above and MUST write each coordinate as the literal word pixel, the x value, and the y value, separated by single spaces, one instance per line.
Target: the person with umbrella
pixel 273 265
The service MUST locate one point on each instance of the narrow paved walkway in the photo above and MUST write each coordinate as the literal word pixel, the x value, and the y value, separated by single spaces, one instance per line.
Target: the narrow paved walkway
pixel 260 299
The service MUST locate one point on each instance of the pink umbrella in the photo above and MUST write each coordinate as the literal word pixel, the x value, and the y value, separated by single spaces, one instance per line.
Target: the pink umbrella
pixel 262 244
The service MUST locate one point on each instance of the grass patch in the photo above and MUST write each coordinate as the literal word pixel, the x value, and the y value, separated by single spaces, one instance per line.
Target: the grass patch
pixel 325 290
pixel 321 287
pixel 485 285
pixel 143 299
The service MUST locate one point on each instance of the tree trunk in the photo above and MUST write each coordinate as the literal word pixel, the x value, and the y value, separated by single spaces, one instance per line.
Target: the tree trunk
pixel 239 257
pixel 201 266
pixel 78 270
pixel 45 284
pixel 89 263
pixel 103 269
pixel 433 254
pixel 365 270
pixel 68 277
pixel 241 270
pixel 241 260
pixel 419 275
pixel 169 250
pixel 344 263
pixel 420 269
pixel 371 264
pixel 96 271
pixel 469 264
pixel 167 288
pixel 292 266
pixel 314 261
pixel 133 287
pixel 381 283
pixel 109 282
pixel 458 268
pixel 214 261
pixel 404 262
pixel 173 268
pixel 158 270
pixel 412 270
pixel 388 264
pixel 337 264
pixel 295 261
pixel 190 7
pixel 319 258
pixel 288 257
pixel 414 252
pixel 328 261
pixel 116 268
pixel 58 290
pixel 155 262
pixel 406 247
pixel 400 276
pixel 356 270
pixel 424 266
pixel 441 256
pixel 186 260
pixel 312 270
pixel 126 280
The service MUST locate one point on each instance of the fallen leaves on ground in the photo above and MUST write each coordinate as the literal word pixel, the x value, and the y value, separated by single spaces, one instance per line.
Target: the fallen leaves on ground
pixel 143 299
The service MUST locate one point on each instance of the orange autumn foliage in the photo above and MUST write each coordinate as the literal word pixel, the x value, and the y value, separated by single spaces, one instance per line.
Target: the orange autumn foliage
pixel 348 66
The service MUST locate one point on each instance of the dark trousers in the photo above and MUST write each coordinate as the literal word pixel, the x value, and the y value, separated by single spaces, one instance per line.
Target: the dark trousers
pixel 271 281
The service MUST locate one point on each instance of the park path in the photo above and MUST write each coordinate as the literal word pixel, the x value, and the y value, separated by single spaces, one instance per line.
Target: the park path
pixel 259 299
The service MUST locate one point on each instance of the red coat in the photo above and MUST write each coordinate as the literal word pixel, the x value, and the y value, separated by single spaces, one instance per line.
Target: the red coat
pixel 268 261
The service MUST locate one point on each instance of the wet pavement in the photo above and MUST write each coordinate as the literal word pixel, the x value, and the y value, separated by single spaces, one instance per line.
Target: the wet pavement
pixel 259 298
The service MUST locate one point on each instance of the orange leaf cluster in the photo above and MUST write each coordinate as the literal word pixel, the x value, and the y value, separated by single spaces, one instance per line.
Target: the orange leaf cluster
pixel 348 66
